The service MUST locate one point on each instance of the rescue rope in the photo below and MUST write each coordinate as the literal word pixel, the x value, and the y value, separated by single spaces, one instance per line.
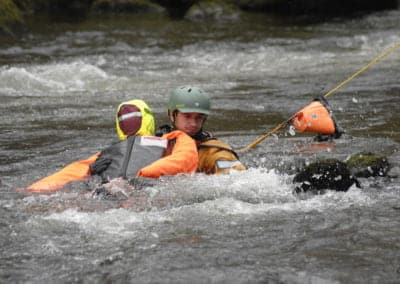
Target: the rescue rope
pixel 366 67
pixel 356 74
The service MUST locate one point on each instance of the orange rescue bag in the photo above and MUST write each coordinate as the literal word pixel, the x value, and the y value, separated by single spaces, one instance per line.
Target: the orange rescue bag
pixel 316 117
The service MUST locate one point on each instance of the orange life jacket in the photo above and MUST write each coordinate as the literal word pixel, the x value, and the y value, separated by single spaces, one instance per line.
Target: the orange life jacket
pixel 127 157
pixel 183 157
pixel 215 156
pixel 76 171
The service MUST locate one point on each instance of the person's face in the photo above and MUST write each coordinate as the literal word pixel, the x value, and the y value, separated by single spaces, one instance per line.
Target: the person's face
pixel 188 122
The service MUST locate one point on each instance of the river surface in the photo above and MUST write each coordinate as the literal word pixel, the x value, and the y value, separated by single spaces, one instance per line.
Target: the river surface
pixel 59 89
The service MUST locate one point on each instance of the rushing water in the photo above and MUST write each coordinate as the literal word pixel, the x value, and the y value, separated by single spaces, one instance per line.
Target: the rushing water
pixel 59 89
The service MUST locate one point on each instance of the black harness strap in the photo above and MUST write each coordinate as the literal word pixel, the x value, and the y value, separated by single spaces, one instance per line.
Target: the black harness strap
pixel 127 157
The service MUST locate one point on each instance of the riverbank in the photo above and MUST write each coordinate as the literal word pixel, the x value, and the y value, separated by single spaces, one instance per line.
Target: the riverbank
pixel 13 13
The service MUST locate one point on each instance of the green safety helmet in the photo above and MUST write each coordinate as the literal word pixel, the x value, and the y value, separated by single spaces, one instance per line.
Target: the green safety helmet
pixel 189 99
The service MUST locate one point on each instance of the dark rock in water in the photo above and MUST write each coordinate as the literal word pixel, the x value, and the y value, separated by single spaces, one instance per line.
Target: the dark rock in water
pixel 368 165
pixel 324 174
pixel 176 8
pixel 315 7
pixel 64 10
pixel 127 6
pixel 211 9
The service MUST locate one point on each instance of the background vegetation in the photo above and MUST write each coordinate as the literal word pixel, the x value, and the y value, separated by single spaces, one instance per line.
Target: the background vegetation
pixel 14 12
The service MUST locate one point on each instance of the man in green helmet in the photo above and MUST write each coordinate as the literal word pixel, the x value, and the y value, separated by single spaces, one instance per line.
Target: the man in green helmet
pixel 188 108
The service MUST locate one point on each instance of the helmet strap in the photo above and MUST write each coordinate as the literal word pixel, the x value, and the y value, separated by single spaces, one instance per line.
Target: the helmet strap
pixel 173 117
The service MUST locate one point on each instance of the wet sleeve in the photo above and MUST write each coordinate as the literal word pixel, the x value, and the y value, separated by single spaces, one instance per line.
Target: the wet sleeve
pixel 75 171
pixel 183 158
pixel 217 157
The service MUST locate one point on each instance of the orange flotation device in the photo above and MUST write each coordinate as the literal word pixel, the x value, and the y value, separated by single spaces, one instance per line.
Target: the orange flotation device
pixel 183 157
pixel 76 171
pixel 316 117
pixel 133 117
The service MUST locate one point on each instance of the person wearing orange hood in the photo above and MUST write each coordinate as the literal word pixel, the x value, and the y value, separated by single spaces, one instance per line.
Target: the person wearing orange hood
pixel 138 153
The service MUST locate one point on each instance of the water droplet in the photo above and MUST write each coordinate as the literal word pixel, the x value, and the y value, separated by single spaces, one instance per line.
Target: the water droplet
pixel 292 130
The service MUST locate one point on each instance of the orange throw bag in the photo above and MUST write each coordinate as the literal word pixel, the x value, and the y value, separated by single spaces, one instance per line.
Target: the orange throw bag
pixel 317 118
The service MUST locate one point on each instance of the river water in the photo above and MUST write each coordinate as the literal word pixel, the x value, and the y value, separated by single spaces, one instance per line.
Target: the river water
pixel 59 89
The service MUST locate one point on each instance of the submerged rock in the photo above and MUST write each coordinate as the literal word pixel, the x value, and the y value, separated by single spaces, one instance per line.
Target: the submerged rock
pixel 325 174
pixel 368 165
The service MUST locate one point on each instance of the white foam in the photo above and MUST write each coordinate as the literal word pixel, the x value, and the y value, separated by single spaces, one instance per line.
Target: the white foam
pixel 246 194
pixel 50 79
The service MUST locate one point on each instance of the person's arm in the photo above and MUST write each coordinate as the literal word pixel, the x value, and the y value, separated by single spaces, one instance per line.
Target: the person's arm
pixel 75 171
pixel 183 158
pixel 217 157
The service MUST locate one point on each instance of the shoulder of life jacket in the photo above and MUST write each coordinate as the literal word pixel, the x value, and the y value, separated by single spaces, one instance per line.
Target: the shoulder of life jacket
pixel 181 157
pixel 217 157
pixel 129 156
pixel 164 129
pixel 200 136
